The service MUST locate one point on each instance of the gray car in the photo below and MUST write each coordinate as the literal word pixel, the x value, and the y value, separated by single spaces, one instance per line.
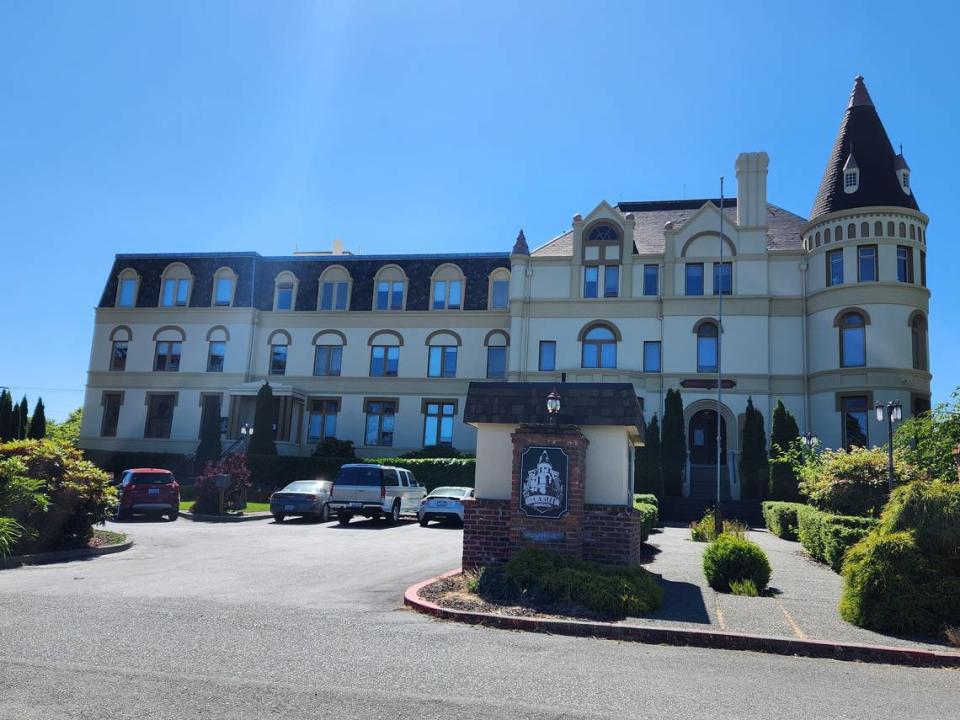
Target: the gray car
pixel 444 504
pixel 306 498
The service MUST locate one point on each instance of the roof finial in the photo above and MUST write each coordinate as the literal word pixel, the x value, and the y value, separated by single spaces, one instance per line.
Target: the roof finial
pixel 520 246
pixel 859 96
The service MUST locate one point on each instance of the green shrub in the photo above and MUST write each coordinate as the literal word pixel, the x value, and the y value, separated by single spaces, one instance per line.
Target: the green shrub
pixel 648 498
pixel 434 451
pixel 731 559
pixel 334 448
pixel 704 530
pixel 854 482
pixel 543 577
pixel 931 510
pixel 648 518
pixel 746 588
pixel 10 533
pixel 781 518
pixel 434 472
pixel 891 586
pixel 827 537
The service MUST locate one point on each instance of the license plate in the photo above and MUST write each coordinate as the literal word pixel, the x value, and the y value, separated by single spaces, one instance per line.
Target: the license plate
pixel 153 491
pixel 440 503
pixel 288 508
pixel 356 504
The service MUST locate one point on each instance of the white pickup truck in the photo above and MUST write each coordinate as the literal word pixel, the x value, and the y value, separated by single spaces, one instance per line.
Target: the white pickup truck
pixel 375 491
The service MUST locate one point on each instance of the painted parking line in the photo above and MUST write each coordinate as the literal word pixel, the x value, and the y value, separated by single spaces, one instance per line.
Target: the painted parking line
pixel 721 621
pixel 794 626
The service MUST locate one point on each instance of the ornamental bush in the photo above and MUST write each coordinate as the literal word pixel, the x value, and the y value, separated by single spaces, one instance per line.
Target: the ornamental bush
pixel 648 518
pixel 648 498
pixel 932 511
pixel 890 585
pixel 704 529
pixel 827 537
pixel 780 518
pixel 547 579
pixel 731 559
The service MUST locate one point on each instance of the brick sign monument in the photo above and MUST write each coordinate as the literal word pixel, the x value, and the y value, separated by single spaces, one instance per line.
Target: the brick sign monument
pixel 558 480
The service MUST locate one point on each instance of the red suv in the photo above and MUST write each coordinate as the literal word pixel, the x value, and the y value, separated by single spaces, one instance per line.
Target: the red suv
pixel 149 491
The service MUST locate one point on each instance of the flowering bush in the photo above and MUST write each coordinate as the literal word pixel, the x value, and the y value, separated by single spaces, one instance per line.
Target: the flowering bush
pixel 208 495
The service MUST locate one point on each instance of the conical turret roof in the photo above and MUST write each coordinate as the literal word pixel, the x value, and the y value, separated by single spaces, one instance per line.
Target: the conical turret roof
pixel 862 130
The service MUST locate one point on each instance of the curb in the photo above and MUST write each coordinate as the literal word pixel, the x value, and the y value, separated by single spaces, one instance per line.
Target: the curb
pixel 683 637
pixel 62 555
pixel 224 518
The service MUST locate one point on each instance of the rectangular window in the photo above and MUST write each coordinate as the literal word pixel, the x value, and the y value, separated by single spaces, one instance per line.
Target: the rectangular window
pixel 834 268
pixel 591 280
pixel 159 416
pixel 496 362
pixel 438 422
pixel 285 296
pixel 722 278
pixel 167 358
pixel 216 355
pixel 866 263
pixel 383 295
pixel 111 413
pixel 384 360
pixel 439 294
pixel 381 417
pixel 611 280
pixel 904 264
pixel 442 361
pixel 326 359
pixel 128 292
pixel 651 275
pixel 499 294
pixel 333 296
pixel 455 298
pixel 548 356
pixel 396 295
pixel 322 419
pixel 278 359
pixel 651 356
pixel 224 291
pixel 923 268
pixel 854 414
pixel 694 272
pixel 341 296
pixel 118 356
pixel 175 292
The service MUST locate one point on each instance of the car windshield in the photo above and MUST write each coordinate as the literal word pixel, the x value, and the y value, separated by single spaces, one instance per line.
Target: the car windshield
pixel 154 478
pixel 307 486
pixel 450 492
pixel 358 475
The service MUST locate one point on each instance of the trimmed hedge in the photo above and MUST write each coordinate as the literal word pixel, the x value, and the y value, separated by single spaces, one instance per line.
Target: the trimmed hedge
pixel 648 518
pixel 781 518
pixel 731 559
pixel 932 511
pixel 828 537
pixel 648 498
pixel 434 472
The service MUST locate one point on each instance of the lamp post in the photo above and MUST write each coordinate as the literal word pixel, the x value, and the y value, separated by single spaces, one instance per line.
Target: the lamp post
pixel 246 432
pixel 810 439
pixel 893 411
pixel 553 405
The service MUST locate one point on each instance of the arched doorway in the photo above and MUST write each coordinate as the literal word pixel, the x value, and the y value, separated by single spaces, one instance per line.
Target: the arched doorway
pixel 702 438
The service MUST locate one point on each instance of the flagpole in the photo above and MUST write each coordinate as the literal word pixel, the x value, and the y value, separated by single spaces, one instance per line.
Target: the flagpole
pixel 719 290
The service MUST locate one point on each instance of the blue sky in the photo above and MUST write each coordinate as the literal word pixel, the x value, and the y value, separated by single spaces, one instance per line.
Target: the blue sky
pixel 404 127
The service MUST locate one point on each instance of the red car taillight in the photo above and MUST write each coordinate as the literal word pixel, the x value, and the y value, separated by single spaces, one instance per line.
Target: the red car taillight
pixel 383 492
pixel 311 498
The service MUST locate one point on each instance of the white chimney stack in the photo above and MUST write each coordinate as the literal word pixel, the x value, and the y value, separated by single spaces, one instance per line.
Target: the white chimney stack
pixel 752 189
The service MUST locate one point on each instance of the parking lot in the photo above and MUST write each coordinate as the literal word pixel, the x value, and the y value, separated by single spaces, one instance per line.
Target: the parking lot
pixel 293 620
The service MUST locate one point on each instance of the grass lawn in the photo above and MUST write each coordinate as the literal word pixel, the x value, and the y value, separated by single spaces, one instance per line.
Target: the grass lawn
pixel 108 537
pixel 252 507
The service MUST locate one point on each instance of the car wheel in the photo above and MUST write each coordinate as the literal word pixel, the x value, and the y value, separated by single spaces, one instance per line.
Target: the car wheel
pixel 343 518
pixel 423 521
pixel 279 517
pixel 173 515
pixel 123 514
pixel 325 513
pixel 394 517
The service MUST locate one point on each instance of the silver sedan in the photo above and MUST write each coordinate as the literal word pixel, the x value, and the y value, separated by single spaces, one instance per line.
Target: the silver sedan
pixel 306 498
pixel 444 504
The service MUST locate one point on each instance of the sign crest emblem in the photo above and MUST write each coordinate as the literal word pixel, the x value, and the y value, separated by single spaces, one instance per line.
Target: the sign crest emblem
pixel 543 488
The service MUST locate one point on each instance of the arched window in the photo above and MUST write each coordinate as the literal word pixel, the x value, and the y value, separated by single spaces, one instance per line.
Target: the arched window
pixel 285 291
pixel 851 231
pixel 224 287
pixel 217 338
pixel 903 230
pixel 499 291
pixel 826 236
pixel 913 232
pixel 599 348
pixel 279 343
pixel 442 354
pixel 448 288
pixel 918 337
pixel 119 342
pixel 176 283
pixel 891 232
pixel 128 287
pixel 878 228
pixel 390 288
pixel 601 261
pixel 497 342
pixel 818 238
pixel 864 229
pixel 335 289
pixel 328 355
pixel 839 233
pixel 708 342
pixel 853 340
pixel 385 353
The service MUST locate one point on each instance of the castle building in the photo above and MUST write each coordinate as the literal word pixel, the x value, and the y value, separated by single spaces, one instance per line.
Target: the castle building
pixel 827 313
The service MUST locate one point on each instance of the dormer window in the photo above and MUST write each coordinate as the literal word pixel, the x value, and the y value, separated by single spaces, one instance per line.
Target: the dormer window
pixel 903 172
pixel 905 180
pixel 851 175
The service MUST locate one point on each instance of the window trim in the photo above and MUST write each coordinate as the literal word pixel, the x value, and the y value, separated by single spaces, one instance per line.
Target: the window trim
pixel 686 277
pixel 283 279
pixel 168 355
pixel 223 360
pixel 444 351
pixel 839 323
pixel 659 344
pixel 366 414
pixel 336 403
pixel 447 273
pixel 389 271
pixel 176 272
pixel 424 404
pixel 147 399
pixel 540 367
pixel 328 277
pixel 271 367
pixel 839 398
pixel 224 273
pixel 909 274
pixel 599 343
pixel 829 255
pixel 700 330
pixel 876 263
pixel 656 280
pixel 386 359
pixel 127 275
pixel 119 394
pixel 716 272
pixel 498 275
pixel 330 353
pixel 113 355
pixel 505 350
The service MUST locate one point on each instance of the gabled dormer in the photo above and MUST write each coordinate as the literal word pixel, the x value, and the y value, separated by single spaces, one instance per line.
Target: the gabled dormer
pixel 903 173
pixel 851 175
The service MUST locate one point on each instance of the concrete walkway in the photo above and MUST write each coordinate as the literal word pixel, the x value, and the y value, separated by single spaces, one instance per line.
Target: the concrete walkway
pixel 802 601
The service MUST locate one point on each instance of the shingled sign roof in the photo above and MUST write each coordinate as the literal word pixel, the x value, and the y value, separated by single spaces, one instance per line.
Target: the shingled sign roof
pixel 516 403
pixel 862 135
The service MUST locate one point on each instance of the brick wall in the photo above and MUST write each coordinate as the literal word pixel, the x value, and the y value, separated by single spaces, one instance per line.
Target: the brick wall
pixel 486 527
pixel 612 534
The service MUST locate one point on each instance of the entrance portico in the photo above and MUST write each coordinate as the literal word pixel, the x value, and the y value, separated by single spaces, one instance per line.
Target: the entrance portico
pixel 700 480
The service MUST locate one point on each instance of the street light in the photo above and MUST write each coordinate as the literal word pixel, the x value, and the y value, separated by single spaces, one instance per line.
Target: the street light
pixel 553 405
pixel 246 433
pixel 893 411
pixel 810 439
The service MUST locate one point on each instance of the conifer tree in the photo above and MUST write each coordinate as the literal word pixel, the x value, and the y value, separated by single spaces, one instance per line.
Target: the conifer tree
pixel 783 433
pixel 753 455
pixel 210 447
pixel 6 417
pixel 649 471
pixel 673 444
pixel 262 442
pixel 38 422
pixel 22 419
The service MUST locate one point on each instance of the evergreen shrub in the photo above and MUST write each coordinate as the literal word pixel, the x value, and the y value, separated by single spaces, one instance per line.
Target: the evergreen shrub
pixel 731 559
pixel 827 537
pixel 780 518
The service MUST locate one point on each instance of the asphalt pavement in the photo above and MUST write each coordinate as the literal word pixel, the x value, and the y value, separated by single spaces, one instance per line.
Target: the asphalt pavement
pixel 299 620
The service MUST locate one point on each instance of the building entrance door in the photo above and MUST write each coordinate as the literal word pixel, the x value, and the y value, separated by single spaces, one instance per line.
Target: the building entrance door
pixel 702 438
